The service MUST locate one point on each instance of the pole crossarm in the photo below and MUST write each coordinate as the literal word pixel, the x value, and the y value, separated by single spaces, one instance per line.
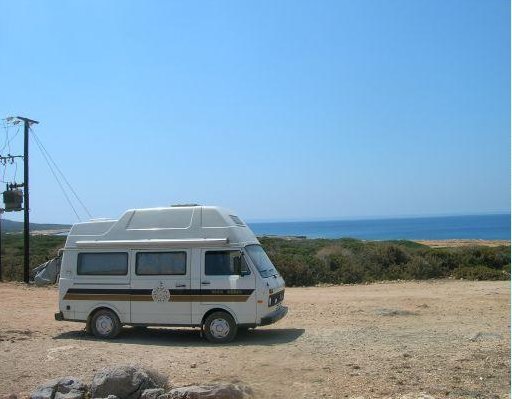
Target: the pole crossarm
pixel 27 120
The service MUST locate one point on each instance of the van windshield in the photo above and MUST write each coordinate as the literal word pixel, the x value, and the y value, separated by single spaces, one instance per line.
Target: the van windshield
pixel 261 261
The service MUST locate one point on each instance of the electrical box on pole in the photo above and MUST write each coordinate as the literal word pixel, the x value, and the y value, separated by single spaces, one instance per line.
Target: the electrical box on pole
pixel 13 200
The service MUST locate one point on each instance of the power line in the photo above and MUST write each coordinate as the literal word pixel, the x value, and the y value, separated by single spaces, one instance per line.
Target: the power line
pixel 62 174
pixel 6 128
pixel 56 177
pixel 15 170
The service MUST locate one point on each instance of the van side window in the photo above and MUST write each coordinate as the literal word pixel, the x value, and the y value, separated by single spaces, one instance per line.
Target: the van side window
pixel 103 264
pixel 161 263
pixel 220 263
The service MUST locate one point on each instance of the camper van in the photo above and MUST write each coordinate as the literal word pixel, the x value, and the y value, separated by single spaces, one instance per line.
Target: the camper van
pixel 196 266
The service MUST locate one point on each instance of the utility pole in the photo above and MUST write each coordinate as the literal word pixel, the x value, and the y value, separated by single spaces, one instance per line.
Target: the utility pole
pixel 1 212
pixel 26 226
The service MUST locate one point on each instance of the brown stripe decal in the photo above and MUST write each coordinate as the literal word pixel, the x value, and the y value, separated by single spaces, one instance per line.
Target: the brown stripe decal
pixel 97 297
pixel 144 295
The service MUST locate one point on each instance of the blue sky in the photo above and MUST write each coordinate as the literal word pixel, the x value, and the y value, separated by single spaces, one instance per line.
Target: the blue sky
pixel 278 110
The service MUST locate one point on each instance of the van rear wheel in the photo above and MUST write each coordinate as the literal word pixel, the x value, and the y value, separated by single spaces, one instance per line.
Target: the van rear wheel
pixel 219 327
pixel 105 324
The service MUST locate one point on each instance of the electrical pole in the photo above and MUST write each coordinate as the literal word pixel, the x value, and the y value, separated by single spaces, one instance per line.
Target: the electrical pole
pixel 26 225
pixel 1 211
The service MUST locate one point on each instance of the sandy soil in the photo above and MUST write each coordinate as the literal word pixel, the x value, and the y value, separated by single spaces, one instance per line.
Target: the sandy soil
pixel 443 338
pixel 463 243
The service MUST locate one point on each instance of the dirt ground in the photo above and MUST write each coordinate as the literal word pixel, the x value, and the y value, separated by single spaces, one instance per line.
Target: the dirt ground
pixel 442 338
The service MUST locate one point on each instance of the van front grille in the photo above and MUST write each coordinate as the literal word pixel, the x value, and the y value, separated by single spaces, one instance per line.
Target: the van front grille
pixel 276 298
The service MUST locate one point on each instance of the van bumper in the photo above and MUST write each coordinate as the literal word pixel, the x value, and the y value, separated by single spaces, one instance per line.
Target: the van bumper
pixel 59 316
pixel 274 317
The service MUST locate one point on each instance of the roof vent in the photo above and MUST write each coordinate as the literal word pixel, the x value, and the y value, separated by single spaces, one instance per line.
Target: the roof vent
pixel 237 220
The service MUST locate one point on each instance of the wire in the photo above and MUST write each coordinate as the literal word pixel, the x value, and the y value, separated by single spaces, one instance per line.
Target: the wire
pixel 12 138
pixel 6 128
pixel 57 178
pixel 62 174
pixel 15 170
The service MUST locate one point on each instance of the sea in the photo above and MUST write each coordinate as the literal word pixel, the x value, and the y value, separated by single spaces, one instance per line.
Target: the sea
pixel 479 227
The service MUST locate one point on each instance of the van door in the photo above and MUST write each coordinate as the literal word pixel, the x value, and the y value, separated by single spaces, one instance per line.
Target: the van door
pixel 221 287
pixel 160 287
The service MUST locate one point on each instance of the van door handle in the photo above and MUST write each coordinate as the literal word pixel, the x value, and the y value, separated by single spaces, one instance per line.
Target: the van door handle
pixel 181 285
pixel 205 282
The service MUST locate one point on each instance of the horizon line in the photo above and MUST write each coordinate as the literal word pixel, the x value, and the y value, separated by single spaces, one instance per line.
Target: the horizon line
pixel 329 218
pixel 378 217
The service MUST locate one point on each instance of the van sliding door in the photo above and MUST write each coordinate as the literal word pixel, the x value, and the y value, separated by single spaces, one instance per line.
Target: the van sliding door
pixel 160 285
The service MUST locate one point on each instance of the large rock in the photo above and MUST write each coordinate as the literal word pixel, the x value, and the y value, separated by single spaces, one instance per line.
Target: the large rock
pixel 125 382
pixel 60 388
pixel 218 391
pixel 152 393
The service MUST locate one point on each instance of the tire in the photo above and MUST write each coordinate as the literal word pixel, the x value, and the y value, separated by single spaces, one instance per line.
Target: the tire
pixel 105 324
pixel 219 328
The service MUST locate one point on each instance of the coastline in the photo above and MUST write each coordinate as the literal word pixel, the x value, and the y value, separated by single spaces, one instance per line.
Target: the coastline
pixel 446 243
pixel 457 243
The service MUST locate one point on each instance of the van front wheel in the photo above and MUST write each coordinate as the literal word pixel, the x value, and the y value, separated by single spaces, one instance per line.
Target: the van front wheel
pixel 105 324
pixel 219 327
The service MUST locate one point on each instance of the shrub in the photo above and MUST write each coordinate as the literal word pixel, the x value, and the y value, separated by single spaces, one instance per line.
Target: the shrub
pixel 421 268
pixel 480 273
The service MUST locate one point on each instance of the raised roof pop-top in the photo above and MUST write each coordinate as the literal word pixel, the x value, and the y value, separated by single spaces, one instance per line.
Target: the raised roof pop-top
pixel 169 223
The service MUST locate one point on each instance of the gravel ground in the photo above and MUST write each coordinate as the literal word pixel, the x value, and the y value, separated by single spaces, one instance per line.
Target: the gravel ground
pixel 442 338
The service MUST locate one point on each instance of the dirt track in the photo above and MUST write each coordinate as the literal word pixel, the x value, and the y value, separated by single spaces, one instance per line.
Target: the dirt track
pixel 344 341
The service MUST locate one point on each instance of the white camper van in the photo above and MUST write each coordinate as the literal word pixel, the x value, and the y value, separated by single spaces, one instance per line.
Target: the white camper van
pixel 197 266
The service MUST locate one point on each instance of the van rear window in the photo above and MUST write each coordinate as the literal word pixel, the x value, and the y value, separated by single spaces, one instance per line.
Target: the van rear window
pixel 161 263
pixel 103 264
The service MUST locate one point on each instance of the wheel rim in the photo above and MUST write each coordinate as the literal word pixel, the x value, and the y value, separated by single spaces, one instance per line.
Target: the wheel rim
pixel 219 328
pixel 104 325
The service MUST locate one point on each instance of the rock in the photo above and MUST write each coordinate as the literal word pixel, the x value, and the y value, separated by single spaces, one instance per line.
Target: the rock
pixel 153 393
pixel 125 382
pixel 420 395
pixel 218 391
pixel 69 395
pixel 394 312
pixel 60 388
pixel 45 391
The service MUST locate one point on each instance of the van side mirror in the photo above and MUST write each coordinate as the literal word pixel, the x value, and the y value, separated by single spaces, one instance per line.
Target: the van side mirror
pixel 237 265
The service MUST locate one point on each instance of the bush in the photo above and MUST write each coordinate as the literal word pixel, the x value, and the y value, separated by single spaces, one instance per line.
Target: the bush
pixel 422 268
pixel 305 262
pixel 480 273
pixel 310 262
pixel 42 248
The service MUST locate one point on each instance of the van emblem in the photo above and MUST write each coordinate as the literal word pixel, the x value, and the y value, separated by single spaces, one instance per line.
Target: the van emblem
pixel 160 293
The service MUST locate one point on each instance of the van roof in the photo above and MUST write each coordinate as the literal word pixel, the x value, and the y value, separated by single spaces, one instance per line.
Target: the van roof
pixel 181 225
